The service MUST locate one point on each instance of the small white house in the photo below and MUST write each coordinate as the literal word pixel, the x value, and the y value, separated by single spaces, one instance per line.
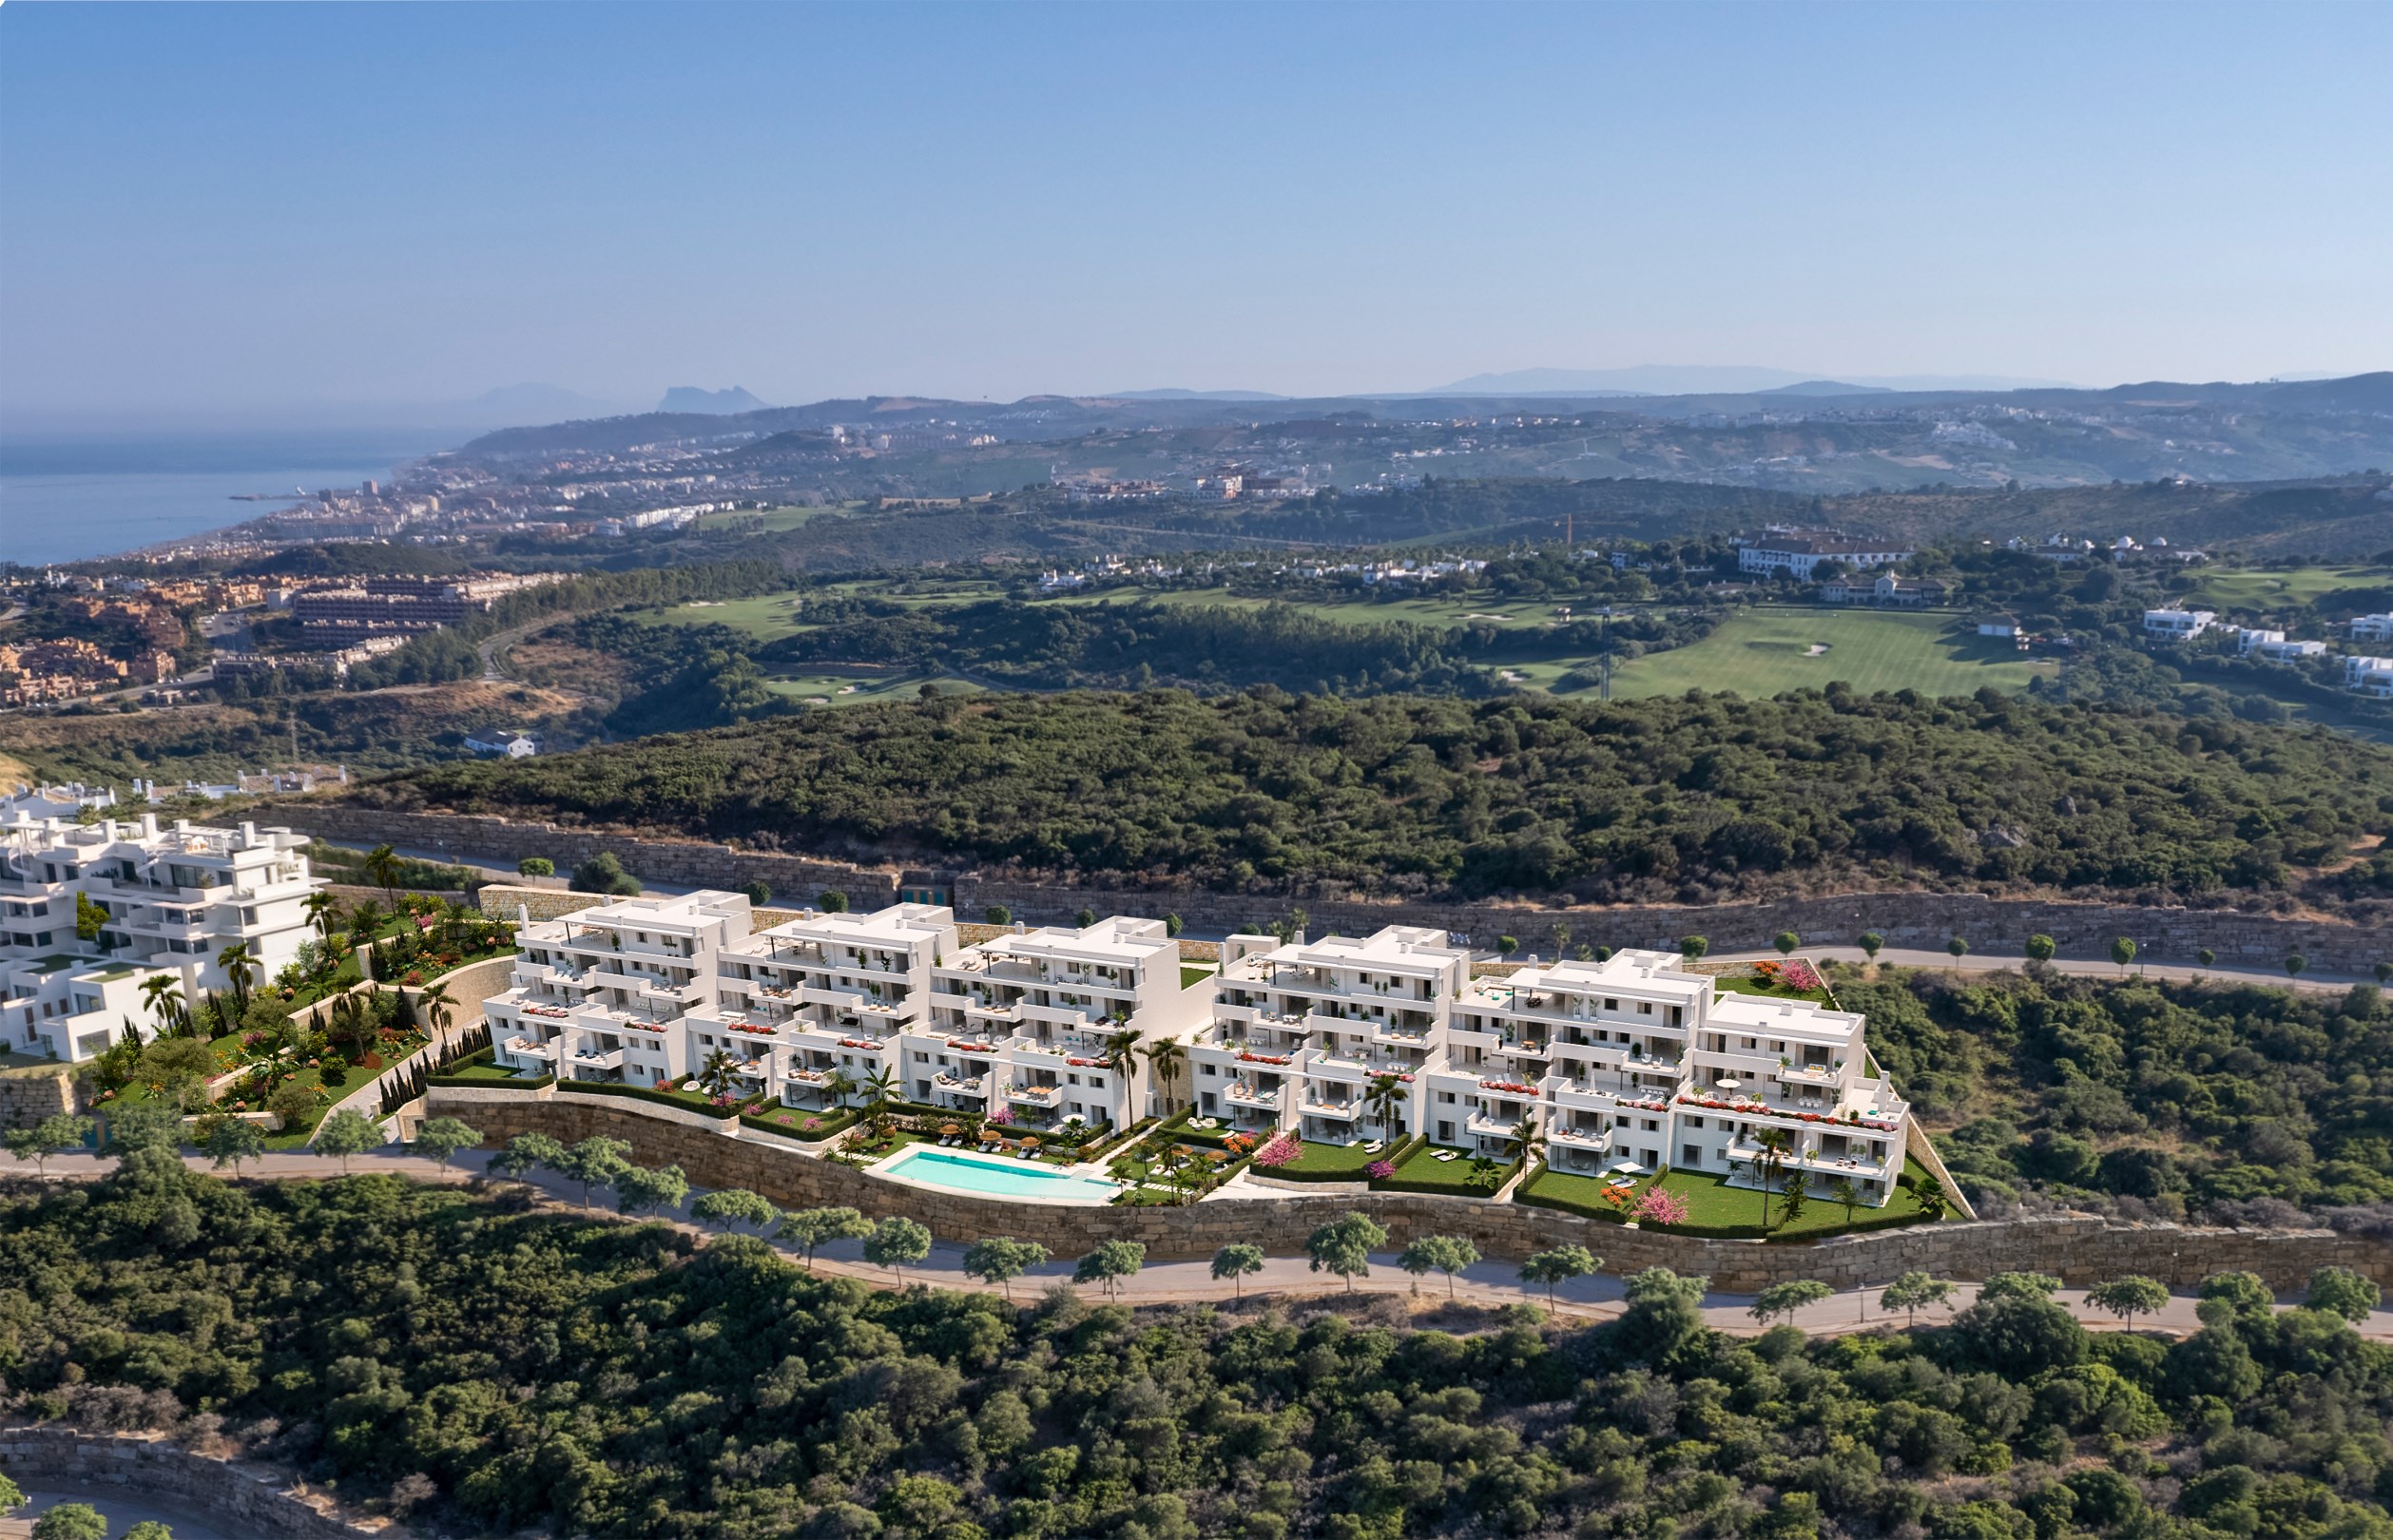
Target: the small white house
pixel 2372 628
pixel 2271 646
pixel 505 745
pixel 2177 625
pixel 2371 676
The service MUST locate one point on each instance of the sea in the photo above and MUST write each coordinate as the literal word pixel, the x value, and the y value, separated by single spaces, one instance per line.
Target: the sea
pixel 65 499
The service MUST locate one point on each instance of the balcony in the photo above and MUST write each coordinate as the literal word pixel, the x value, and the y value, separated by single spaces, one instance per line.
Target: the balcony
pixel 524 1048
pixel 1046 1096
pixel 597 1059
pixel 1394 1036
pixel 1343 1111
pixel 981 1010
pixel 960 1086
pixel 1581 1138
pixel 749 1027
pixel 1242 1094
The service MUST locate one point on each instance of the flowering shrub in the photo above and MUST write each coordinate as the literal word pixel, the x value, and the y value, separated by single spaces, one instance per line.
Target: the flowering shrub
pixel 1238 1143
pixel 1617 1197
pixel 811 1122
pixel 1379 1170
pixel 1003 1115
pixel 1282 1149
pixel 1659 1206
pixel 1799 975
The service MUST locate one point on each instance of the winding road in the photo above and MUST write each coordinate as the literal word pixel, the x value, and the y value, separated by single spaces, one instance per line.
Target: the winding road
pixel 1489 1284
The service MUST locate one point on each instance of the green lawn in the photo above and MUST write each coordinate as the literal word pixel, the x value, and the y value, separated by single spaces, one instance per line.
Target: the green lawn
pixel 767 617
pixel 1422 1170
pixel 2268 590
pixel 1763 652
pixel 1193 973
pixel 1711 1203
pixel 861 688
pixel 774 519
pixel 1344 1163
pixel 1747 984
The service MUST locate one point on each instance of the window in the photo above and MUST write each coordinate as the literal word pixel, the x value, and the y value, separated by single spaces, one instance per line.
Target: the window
pixel 1694 1155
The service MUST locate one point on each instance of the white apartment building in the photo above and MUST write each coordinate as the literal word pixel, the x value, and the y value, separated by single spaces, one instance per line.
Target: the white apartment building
pixel 1304 1035
pixel 2372 627
pixel 1053 1025
pixel 170 900
pixel 817 1006
pixel 1801 552
pixel 601 994
pixel 1637 1060
pixel 2178 624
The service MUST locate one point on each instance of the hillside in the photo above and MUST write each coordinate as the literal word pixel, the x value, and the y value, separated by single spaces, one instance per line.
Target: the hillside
pixel 1688 799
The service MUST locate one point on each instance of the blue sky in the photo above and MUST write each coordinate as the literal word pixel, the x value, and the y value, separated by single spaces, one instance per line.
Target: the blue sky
pixel 238 210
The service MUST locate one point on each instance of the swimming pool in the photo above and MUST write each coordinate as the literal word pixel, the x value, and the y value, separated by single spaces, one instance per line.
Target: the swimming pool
pixel 996 1176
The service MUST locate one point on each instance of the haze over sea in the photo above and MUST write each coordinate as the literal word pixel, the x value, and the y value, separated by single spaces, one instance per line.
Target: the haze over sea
pixel 70 498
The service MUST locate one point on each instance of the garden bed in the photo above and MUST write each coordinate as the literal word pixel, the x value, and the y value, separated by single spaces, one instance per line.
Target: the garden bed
pixel 687 1100
pixel 790 1122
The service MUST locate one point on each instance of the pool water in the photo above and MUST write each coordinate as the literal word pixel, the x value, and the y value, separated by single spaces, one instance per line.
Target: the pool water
pixel 996 1176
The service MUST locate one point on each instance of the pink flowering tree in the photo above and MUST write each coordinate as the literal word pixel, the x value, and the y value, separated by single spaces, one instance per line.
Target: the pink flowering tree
pixel 1379 1170
pixel 1002 1116
pixel 1800 974
pixel 1657 1206
pixel 1279 1150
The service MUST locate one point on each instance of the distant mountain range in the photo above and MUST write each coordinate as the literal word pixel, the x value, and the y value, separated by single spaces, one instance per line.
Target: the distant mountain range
pixel 1704 380
pixel 1174 394
pixel 712 403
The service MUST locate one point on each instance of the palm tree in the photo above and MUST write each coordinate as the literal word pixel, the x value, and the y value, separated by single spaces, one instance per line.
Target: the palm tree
pixel 882 1086
pixel 1527 1138
pixel 715 1075
pixel 439 1007
pixel 1118 1048
pixel 382 865
pixel 239 967
pixel 1385 1092
pixel 838 1087
pixel 1770 1164
pixel 323 912
pixel 1165 1059
pixel 163 993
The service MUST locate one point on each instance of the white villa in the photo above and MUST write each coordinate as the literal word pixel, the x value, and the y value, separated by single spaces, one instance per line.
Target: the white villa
pixel 2178 624
pixel 168 901
pixel 1634 1061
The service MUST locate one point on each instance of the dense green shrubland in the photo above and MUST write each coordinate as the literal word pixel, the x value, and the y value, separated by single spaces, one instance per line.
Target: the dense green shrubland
pixel 1694 797
pixel 602 1378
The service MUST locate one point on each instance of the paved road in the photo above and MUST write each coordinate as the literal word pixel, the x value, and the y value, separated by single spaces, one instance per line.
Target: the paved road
pixel 2333 983
pixel 1179 1282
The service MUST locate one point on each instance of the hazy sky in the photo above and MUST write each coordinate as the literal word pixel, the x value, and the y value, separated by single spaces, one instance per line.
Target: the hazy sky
pixel 236 209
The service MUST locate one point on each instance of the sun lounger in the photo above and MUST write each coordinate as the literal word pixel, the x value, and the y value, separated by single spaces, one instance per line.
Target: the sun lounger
pixel 1447 1155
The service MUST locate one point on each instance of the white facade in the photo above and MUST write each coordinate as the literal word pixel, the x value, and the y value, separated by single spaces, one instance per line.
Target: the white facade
pixel 1302 1033
pixel 1053 1025
pixel 2271 646
pixel 2372 628
pixel 1801 554
pixel 170 899
pixel 601 994
pixel 2371 676
pixel 2178 624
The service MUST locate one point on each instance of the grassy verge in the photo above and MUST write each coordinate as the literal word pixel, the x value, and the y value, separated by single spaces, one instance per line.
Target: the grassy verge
pixel 1326 1162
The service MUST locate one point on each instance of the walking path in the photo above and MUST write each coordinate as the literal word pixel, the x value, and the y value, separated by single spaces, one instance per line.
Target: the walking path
pixel 1489 1284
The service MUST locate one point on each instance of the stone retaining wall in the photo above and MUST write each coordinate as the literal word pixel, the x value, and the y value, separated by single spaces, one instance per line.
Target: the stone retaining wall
pixel 2080 1250
pixel 238 1499
pixel 1922 920
pixel 29 1096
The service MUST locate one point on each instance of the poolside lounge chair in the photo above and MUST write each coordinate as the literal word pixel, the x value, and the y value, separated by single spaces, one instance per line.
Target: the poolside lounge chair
pixel 1447 1155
